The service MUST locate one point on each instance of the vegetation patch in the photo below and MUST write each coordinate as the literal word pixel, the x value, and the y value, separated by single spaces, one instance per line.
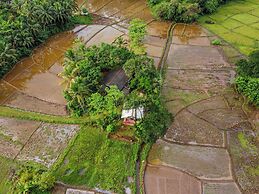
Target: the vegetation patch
pixel 247 81
pixel 21 114
pixel 244 153
pixel 32 178
pixel 87 93
pixel 6 166
pixel 183 10
pixel 98 162
pixel 25 24
pixel 237 23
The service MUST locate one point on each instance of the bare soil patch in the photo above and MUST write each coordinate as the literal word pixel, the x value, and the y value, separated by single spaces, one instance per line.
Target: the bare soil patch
pixel 166 180
pixel 190 129
pixel 210 163
pixel 47 143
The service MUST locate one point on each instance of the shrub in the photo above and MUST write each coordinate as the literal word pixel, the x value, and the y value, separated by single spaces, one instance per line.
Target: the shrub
pixel 25 24
pixel 154 124
pixel 137 32
pixel 32 178
pixel 107 105
pixel 143 74
pixel 249 87
pixel 183 10
pixel 216 42
pixel 249 67
pixel 83 69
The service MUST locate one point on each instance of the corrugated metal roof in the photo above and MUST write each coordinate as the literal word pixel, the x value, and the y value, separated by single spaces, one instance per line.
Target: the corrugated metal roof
pixel 137 113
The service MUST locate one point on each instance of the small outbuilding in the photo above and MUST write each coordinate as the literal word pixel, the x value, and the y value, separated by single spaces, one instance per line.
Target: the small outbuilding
pixel 130 116
pixel 116 77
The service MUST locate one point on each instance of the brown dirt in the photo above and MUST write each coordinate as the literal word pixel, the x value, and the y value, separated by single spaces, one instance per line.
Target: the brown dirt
pixel 166 180
pixel 47 143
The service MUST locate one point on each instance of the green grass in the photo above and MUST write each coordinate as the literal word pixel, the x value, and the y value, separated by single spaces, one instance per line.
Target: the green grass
pixel 245 18
pixel 245 143
pixel 248 31
pixel 83 20
pixel 6 166
pixel 103 163
pixel 20 114
pixel 237 22
pixel 253 171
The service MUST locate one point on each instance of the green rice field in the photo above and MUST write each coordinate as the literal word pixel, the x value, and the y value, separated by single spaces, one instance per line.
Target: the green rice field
pixel 237 22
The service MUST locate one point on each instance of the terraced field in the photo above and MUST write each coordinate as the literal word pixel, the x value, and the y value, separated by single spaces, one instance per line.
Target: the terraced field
pixel 237 22
pixel 205 150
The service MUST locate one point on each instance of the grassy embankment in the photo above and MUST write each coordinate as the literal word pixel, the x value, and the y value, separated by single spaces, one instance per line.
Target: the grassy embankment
pixel 95 161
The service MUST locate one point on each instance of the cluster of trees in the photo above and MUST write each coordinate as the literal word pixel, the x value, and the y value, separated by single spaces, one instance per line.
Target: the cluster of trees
pixel 24 24
pixel 183 10
pixel 247 81
pixel 83 72
pixel 32 178
pixel 84 69
pixel 108 104
pixel 145 84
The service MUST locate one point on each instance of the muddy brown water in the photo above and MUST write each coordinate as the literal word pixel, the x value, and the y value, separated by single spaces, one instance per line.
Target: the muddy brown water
pixel 35 80
pixel 37 75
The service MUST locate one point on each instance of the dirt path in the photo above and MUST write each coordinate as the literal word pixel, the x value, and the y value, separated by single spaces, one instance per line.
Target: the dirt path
pixel 208 118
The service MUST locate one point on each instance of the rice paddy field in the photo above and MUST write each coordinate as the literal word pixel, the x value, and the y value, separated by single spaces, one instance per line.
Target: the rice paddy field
pixel 237 22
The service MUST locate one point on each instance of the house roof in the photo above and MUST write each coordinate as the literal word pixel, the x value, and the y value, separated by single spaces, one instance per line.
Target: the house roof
pixel 137 113
pixel 116 77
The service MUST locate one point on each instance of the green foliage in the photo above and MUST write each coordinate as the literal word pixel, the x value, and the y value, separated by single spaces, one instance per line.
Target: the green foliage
pixel 21 114
pixel 98 162
pixel 249 87
pixel 145 83
pixel 32 178
pixel 154 124
pixel 107 104
pixel 137 32
pixel 249 67
pixel 216 42
pixel 82 19
pixel 83 69
pixel 245 143
pixel 143 75
pixel 177 11
pixel 183 10
pixel 24 24
pixel 135 99
pixel 248 80
pixel 6 168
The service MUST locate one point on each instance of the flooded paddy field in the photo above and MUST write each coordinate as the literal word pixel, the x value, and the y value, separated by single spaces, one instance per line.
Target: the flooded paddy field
pixel 197 89
pixel 34 83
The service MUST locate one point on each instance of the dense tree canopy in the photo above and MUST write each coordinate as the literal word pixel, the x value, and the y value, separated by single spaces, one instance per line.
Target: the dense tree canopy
pixel 83 72
pixel 26 23
pixel 183 10
pixel 250 66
